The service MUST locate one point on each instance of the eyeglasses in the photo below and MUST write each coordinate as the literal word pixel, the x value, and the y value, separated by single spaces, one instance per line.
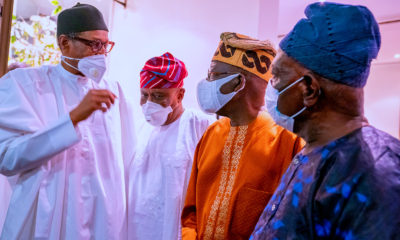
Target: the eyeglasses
pixel 96 45
pixel 211 76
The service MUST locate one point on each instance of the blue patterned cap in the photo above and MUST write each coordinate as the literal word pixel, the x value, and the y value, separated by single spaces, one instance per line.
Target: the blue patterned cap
pixel 336 41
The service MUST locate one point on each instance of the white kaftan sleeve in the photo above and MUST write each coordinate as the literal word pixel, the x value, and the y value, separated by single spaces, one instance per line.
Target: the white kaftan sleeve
pixel 20 152
pixel 25 143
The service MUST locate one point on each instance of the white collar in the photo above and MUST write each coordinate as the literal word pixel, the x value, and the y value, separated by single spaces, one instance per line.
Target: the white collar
pixel 66 74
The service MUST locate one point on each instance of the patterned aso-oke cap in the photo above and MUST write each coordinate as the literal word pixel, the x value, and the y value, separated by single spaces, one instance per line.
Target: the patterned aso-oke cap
pixel 250 54
pixel 165 71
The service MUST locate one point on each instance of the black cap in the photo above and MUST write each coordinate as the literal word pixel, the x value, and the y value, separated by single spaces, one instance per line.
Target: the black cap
pixel 80 18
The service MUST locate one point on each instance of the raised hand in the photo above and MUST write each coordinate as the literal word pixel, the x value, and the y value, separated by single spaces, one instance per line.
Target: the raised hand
pixel 92 102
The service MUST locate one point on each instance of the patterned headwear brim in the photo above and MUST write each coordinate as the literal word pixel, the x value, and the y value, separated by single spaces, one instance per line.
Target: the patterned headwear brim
pixel 249 54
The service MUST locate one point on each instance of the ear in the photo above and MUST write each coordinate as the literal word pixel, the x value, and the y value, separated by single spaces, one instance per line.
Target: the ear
pixel 230 86
pixel 242 82
pixel 65 44
pixel 181 94
pixel 310 88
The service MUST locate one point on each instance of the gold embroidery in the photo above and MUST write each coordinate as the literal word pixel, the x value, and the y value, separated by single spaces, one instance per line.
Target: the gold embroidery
pixel 225 167
pixel 237 153
pixel 225 188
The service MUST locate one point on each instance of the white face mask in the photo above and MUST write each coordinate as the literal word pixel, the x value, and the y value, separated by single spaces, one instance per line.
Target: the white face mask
pixel 271 100
pixel 155 114
pixel 93 67
pixel 209 95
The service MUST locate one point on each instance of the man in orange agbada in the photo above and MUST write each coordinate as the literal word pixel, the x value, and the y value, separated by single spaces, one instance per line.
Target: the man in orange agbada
pixel 241 157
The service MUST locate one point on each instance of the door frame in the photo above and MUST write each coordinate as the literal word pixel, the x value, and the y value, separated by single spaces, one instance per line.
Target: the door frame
pixel 5 31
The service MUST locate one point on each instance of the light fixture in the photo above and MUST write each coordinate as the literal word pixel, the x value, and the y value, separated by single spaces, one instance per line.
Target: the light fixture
pixel 397 56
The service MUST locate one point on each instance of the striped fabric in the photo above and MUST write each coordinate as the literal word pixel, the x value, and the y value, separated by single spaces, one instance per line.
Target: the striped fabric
pixel 165 71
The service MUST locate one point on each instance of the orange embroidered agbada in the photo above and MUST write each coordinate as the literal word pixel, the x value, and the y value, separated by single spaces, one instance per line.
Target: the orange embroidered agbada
pixel 234 174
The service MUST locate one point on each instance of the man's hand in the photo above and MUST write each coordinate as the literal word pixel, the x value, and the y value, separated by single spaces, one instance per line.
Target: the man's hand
pixel 93 101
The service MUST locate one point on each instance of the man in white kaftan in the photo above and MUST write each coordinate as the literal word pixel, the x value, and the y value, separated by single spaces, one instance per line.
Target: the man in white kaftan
pixel 160 170
pixel 65 136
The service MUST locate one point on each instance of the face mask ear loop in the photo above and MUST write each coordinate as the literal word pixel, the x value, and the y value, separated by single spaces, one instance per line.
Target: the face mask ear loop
pixel 71 58
pixel 244 83
pixel 173 108
pixel 299 112
pixel 291 85
pixel 62 59
pixel 230 78
pixel 304 108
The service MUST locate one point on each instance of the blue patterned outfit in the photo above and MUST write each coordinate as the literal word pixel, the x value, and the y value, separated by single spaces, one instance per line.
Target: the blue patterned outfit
pixel 348 189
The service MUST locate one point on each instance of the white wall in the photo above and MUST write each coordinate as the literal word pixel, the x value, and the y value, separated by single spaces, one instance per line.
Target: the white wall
pixel 268 27
pixel 382 92
pixel 382 98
